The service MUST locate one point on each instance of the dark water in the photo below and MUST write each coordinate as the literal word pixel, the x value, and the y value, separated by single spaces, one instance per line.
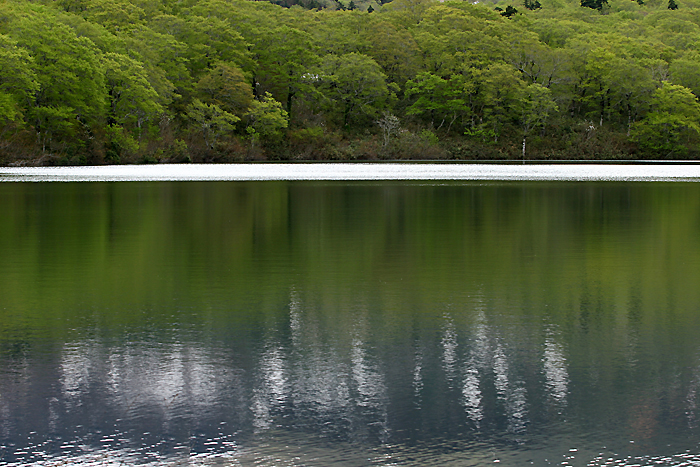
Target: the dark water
pixel 307 323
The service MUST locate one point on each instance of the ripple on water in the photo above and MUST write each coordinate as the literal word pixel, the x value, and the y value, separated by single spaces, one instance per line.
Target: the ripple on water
pixel 289 449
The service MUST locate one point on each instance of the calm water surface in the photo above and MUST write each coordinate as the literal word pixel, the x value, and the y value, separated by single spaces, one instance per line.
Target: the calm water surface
pixel 350 323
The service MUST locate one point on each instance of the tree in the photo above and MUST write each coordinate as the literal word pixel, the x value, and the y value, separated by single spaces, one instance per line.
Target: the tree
pixel 132 99
pixel 212 121
pixel 70 98
pixel 17 80
pixel 120 15
pixel 675 113
pixel 208 40
pixel 500 90
pixel 595 4
pixel 390 124
pixel 510 11
pixel 536 105
pixel 284 59
pixel 685 71
pixel 672 5
pixel 226 86
pixel 356 85
pixel 437 98
pixel 395 51
pixel 533 4
pixel 266 118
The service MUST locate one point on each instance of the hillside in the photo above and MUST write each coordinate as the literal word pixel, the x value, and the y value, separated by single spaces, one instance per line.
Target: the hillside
pixel 118 81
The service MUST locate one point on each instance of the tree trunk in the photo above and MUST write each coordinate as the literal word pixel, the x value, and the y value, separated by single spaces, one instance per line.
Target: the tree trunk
pixel 290 96
pixel 524 137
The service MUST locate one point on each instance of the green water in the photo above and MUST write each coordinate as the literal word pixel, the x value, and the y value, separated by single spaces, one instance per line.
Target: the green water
pixel 308 323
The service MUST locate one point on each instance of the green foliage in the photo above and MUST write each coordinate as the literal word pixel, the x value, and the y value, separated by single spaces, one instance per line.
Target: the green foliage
pixel 119 143
pixel 158 70
pixel 228 87
pixel 675 116
pixel 69 75
pixel 211 120
pixel 429 136
pixel 17 80
pixel 266 118
pixel 439 99
pixel 685 71
pixel 132 99
pixel 594 4
pixel 355 84
pixel 509 11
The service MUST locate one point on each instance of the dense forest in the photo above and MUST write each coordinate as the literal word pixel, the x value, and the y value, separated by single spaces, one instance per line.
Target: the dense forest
pixel 127 81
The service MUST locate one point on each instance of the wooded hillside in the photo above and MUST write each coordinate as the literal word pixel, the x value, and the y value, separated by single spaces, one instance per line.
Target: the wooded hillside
pixel 115 81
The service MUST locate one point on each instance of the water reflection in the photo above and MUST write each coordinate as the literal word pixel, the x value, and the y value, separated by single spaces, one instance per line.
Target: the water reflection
pixel 302 324
pixel 555 371
pixel 474 366
pixel 691 400
pixel 270 391
pixel 297 380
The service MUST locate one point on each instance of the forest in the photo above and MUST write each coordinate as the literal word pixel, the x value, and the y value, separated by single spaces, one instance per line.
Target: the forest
pixel 148 81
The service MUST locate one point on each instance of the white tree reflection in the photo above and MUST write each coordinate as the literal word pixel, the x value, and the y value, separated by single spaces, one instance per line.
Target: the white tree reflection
pixel 555 371
pixel 271 390
pixel 512 393
pixel 691 400
pixel 448 345
pixel 476 362
pixel 76 363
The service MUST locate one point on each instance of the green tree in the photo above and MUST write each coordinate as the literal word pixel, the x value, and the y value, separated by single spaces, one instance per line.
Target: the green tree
pixel 685 71
pixel 283 62
pixel 211 120
pixel 205 41
pixel 17 80
pixel 675 114
pixel 355 84
pixel 132 99
pixel 266 119
pixel 594 4
pixel 395 51
pixel 226 86
pixel 536 105
pixel 116 16
pixel 70 99
pixel 501 91
pixel 436 98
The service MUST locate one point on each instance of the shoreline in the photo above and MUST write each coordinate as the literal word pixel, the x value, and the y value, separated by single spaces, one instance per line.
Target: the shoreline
pixel 649 171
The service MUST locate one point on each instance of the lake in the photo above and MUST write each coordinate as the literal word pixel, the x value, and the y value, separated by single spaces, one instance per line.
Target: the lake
pixel 350 323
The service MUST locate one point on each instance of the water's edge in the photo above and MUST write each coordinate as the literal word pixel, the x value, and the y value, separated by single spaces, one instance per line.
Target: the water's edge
pixel 357 171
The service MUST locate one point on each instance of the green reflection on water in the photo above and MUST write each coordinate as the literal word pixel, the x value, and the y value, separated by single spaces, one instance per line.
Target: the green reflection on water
pixel 595 254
